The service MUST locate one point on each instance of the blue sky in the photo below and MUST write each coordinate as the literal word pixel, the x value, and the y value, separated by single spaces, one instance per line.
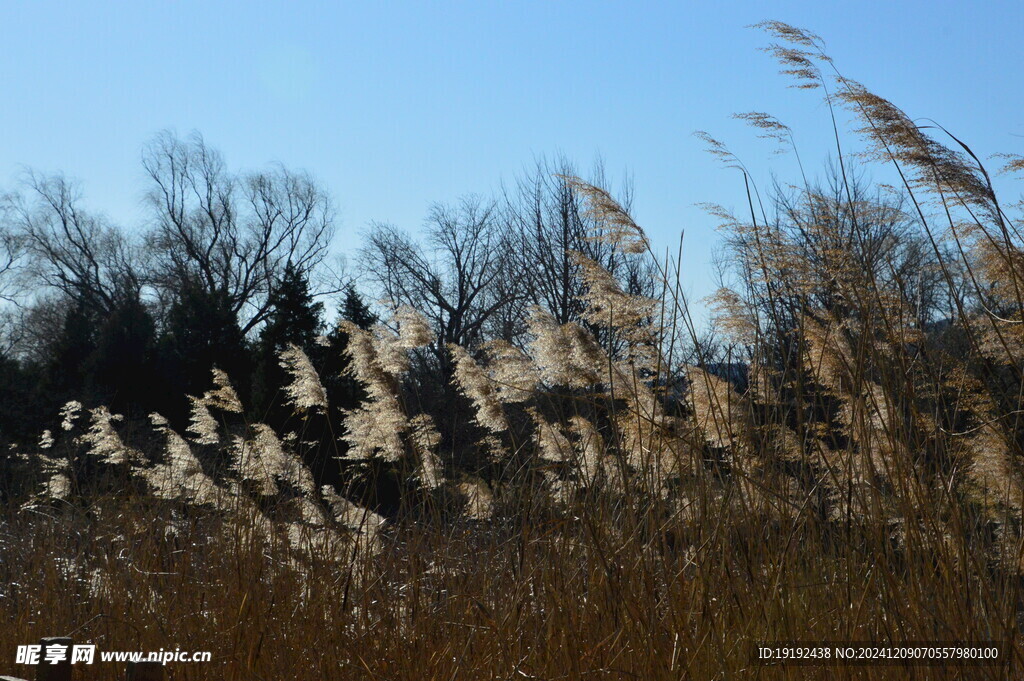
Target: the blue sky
pixel 394 105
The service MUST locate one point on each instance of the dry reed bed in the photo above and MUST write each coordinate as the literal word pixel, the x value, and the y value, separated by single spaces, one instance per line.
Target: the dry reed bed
pixel 641 514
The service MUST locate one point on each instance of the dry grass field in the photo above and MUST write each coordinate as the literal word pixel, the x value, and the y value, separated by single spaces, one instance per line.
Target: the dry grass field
pixel 840 460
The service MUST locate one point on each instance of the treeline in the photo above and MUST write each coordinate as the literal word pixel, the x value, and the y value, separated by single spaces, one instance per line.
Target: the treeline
pixel 218 276
pixel 230 268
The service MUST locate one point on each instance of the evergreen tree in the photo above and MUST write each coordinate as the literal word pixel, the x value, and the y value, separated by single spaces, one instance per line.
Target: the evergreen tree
pixel 343 391
pixel 65 372
pixel 294 316
pixel 23 411
pixel 121 367
pixel 294 319
pixel 355 309
pixel 202 332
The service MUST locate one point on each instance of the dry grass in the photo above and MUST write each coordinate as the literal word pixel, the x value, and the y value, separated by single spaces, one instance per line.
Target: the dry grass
pixel 640 516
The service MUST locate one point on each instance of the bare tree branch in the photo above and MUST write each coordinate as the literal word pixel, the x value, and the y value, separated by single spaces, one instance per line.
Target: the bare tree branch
pixel 234 234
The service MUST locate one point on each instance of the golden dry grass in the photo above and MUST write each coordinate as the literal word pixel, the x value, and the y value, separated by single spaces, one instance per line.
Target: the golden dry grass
pixel 642 517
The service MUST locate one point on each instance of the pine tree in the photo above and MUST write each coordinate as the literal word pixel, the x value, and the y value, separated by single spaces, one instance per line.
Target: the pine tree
pixel 121 367
pixel 355 309
pixel 342 390
pixel 295 318
pixel 65 374
pixel 201 333
pixel 23 408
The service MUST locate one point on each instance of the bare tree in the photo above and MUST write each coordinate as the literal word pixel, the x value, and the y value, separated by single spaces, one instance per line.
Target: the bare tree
pixel 69 249
pixel 11 255
pixel 462 278
pixel 551 223
pixel 11 251
pixel 846 231
pixel 233 235
pixel 843 248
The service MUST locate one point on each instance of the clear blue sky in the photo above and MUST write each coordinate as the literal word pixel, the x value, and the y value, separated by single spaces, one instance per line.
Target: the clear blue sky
pixel 394 105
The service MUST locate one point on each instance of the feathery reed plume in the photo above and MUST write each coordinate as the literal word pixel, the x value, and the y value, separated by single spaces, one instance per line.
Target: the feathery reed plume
pixel 793 34
pixel 1000 341
pixel 994 477
pixel 733 316
pixel 255 464
pixel 509 376
pixel 720 412
pixel 383 350
pixel 287 466
pixel 364 524
pixel 512 372
pixel 376 426
pixel 425 440
pixel 495 449
pixel 640 440
pixel 552 444
pixel 311 542
pixel 1012 163
pixel 614 224
pixel 801 64
pixel 348 514
pixel 608 305
pixel 413 332
pixel 413 329
pixel 828 356
pixel 180 476
pixel 201 423
pixel 57 486
pixel 770 128
pixel 69 414
pixel 479 388
pixel 934 166
pixel 376 431
pixel 263 460
pixel 479 499
pixel 311 537
pixel 894 136
pixel 362 352
pixel 378 358
pixel 389 351
pixel 308 511
pixel 864 407
pixel 305 391
pixel 724 155
pixel 104 441
pixel 561 490
pixel 590 450
pixel 222 397
pixel 641 421
pixel 565 354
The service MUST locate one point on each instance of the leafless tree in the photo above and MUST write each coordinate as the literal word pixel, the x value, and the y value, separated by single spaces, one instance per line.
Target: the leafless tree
pixel 840 247
pixel 11 251
pixel 68 248
pixel 551 223
pixel 11 255
pixel 232 234
pixel 461 278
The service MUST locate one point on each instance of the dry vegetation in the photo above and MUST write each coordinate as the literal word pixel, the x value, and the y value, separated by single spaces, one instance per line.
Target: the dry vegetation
pixel 842 463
